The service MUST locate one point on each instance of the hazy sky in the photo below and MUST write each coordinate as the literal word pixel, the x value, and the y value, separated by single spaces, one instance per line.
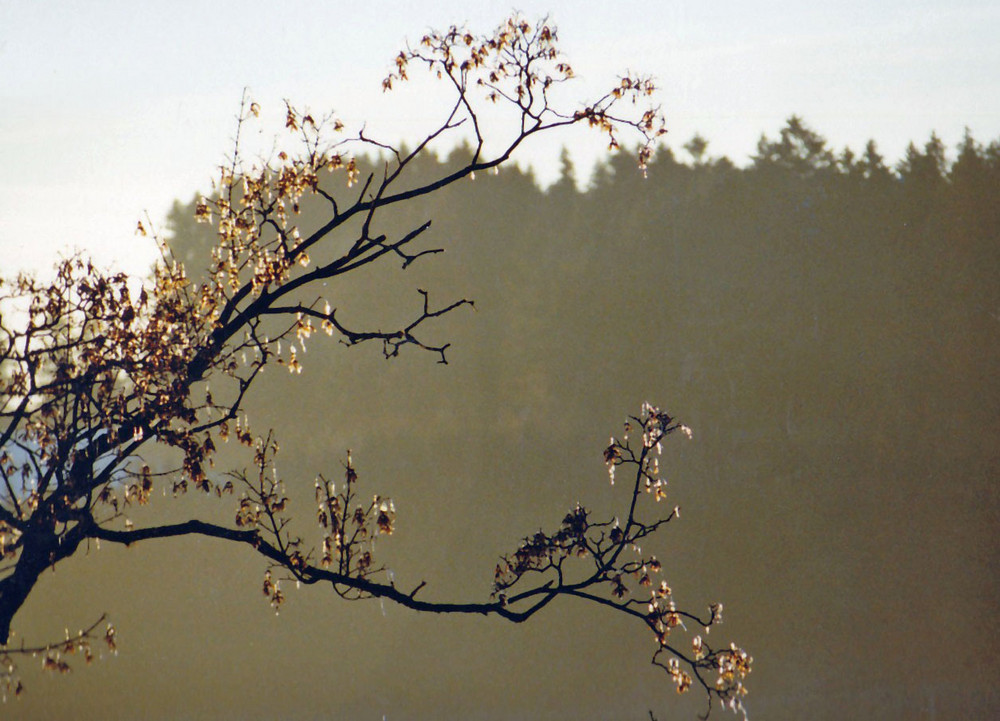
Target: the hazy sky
pixel 112 109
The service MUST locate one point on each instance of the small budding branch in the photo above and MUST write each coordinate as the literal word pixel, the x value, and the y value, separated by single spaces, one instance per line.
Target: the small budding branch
pixel 97 367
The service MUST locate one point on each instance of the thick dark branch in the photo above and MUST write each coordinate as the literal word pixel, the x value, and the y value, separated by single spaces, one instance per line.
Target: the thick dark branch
pixel 41 549
pixel 312 574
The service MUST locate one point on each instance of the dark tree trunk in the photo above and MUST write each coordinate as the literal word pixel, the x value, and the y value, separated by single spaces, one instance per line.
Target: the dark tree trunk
pixel 41 549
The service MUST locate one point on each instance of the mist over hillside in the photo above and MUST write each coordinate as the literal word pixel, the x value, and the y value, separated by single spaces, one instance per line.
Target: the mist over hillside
pixel 827 323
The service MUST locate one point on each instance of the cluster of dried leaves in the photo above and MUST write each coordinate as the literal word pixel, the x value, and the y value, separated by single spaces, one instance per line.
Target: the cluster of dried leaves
pixel 95 367
pixel 603 562
pixel 54 655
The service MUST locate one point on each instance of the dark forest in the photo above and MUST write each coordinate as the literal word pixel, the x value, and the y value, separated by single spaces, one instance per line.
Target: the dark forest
pixel 828 323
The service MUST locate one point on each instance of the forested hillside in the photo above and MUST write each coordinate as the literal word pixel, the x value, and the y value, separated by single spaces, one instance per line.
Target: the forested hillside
pixel 828 323
pixel 805 267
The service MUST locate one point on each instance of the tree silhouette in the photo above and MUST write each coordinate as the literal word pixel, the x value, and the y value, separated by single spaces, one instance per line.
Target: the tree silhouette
pixel 99 367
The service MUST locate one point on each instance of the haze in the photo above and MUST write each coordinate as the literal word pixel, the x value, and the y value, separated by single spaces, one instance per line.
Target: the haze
pixel 830 332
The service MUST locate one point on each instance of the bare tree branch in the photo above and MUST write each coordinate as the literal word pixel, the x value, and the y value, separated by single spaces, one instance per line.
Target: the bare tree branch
pixel 104 366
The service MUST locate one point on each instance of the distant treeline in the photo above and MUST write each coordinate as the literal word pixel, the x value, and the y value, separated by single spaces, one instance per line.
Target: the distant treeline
pixel 829 326
pixel 808 284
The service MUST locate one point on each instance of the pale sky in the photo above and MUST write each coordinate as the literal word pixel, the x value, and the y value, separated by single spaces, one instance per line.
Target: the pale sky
pixel 109 110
